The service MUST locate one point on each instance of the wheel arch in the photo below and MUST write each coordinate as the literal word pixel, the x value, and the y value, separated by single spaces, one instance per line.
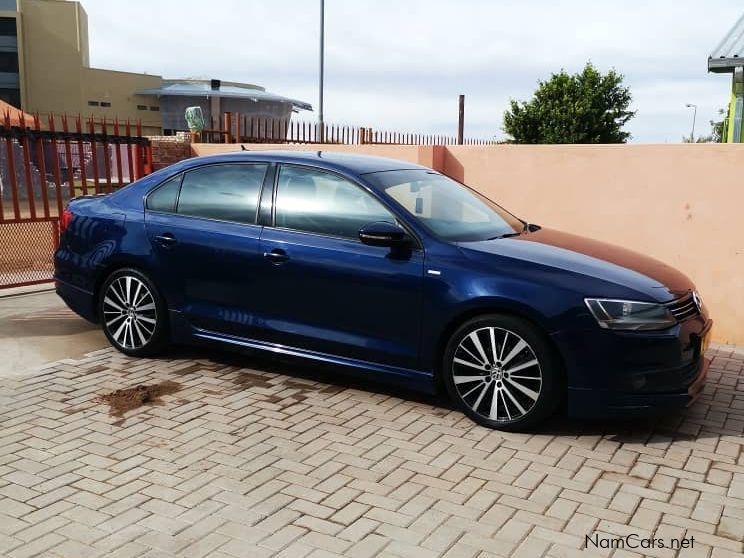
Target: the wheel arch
pixel 485 308
pixel 110 267
pixel 156 339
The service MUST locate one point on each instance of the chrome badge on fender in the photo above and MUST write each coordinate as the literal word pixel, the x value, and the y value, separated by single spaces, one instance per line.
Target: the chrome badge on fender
pixel 697 300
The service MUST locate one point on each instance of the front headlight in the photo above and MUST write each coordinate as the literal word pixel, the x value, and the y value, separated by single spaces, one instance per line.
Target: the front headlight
pixel 630 315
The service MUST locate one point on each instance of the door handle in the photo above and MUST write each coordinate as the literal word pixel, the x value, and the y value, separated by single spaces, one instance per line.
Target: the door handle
pixel 165 239
pixel 276 256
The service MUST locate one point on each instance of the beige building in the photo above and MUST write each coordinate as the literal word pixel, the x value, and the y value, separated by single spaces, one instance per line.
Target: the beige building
pixel 44 67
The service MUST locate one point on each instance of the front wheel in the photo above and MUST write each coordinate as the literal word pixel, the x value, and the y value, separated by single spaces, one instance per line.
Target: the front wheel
pixel 133 314
pixel 501 372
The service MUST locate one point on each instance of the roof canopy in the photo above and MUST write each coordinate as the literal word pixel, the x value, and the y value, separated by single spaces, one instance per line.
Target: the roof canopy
pixel 204 88
pixel 17 116
pixel 729 54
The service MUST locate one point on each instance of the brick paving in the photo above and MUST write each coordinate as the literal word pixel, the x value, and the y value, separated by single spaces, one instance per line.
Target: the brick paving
pixel 257 459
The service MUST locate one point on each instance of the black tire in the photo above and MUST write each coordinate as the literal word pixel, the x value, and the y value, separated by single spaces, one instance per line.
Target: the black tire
pixel 473 381
pixel 133 315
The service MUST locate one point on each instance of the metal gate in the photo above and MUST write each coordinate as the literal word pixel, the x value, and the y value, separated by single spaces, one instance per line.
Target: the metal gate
pixel 42 169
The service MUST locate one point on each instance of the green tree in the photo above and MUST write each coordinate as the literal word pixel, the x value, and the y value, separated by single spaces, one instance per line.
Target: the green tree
pixel 587 107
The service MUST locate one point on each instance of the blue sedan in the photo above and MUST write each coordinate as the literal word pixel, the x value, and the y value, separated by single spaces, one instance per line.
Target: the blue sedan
pixel 388 268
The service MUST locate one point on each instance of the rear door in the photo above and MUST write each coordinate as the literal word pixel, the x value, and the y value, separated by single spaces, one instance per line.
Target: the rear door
pixel 203 231
pixel 322 289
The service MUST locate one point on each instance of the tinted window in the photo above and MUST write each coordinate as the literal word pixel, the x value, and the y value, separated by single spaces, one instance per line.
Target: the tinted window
pixel 225 192
pixel 319 202
pixel 165 196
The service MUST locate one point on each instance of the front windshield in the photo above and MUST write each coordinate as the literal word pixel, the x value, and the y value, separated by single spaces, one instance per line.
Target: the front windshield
pixel 445 207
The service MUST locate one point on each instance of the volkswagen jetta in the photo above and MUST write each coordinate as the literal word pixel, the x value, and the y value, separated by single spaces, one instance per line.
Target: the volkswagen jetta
pixel 391 269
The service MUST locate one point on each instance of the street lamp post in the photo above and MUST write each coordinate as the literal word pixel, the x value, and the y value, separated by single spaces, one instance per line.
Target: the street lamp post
pixel 694 117
pixel 321 126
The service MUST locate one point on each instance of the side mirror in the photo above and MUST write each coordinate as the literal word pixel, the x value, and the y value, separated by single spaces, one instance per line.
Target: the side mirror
pixel 382 233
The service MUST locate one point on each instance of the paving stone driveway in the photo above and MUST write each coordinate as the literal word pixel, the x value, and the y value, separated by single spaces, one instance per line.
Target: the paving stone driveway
pixel 249 459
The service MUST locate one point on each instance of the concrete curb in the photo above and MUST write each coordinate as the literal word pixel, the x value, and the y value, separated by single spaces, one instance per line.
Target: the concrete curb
pixel 28 289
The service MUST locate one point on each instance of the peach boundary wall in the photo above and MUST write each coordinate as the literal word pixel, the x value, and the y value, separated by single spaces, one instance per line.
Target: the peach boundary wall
pixel 682 204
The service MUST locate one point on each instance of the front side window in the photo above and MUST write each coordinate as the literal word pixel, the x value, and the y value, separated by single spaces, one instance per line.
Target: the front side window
pixel 225 192
pixel 446 208
pixel 314 201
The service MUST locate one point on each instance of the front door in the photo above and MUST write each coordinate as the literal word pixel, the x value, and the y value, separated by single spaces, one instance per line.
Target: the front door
pixel 326 291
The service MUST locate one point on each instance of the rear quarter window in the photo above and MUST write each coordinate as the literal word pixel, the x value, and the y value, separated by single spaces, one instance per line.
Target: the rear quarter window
pixel 165 196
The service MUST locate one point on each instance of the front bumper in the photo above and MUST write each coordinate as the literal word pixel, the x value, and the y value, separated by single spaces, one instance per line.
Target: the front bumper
pixel 591 403
pixel 635 374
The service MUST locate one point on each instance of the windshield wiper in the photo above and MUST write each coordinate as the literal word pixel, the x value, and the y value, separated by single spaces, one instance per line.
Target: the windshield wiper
pixel 505 235
pixel 528 227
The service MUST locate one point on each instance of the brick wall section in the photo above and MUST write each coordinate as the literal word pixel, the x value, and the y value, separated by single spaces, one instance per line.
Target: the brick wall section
pixel 167 150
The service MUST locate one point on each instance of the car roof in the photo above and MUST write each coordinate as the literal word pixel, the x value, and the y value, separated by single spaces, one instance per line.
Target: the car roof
pixel 349 162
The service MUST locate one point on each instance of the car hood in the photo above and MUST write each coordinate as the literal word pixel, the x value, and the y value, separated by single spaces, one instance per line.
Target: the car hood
pixel 590 258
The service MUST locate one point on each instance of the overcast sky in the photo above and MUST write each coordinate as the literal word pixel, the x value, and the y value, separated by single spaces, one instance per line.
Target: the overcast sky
pixel 400 64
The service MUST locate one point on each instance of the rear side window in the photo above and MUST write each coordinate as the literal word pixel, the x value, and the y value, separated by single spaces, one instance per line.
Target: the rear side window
pixel 225 192
pixel 164 198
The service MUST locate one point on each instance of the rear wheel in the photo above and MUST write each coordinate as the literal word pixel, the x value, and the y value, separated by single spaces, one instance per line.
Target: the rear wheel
pixel 501 372
pixel 133 315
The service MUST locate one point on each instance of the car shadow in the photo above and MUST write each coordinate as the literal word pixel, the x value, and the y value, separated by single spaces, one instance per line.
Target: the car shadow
pixel 625 430
pixel 669 427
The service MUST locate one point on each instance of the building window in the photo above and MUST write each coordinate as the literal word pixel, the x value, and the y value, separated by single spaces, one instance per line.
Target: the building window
pixel 11 96
pixel 9 62
pixel 93 103
pixel 155 109
pixel 8 26
pixel 105 104
pixel 141 107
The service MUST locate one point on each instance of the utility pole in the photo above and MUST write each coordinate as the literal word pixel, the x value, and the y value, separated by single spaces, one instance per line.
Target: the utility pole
pixel 461 120
pixel 321 125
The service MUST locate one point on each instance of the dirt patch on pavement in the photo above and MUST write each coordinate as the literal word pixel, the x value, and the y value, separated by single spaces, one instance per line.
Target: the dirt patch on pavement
pixel 123 400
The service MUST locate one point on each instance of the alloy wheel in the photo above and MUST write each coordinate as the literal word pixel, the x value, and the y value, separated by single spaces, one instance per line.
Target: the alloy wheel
pixel 496 374
pixel 129 312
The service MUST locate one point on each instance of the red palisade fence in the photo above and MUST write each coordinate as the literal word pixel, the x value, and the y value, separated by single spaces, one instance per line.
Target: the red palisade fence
pixel 237 128
pixel 42 167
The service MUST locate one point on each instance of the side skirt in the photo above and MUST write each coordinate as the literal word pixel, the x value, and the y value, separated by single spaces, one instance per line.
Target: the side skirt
pixel 406 377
